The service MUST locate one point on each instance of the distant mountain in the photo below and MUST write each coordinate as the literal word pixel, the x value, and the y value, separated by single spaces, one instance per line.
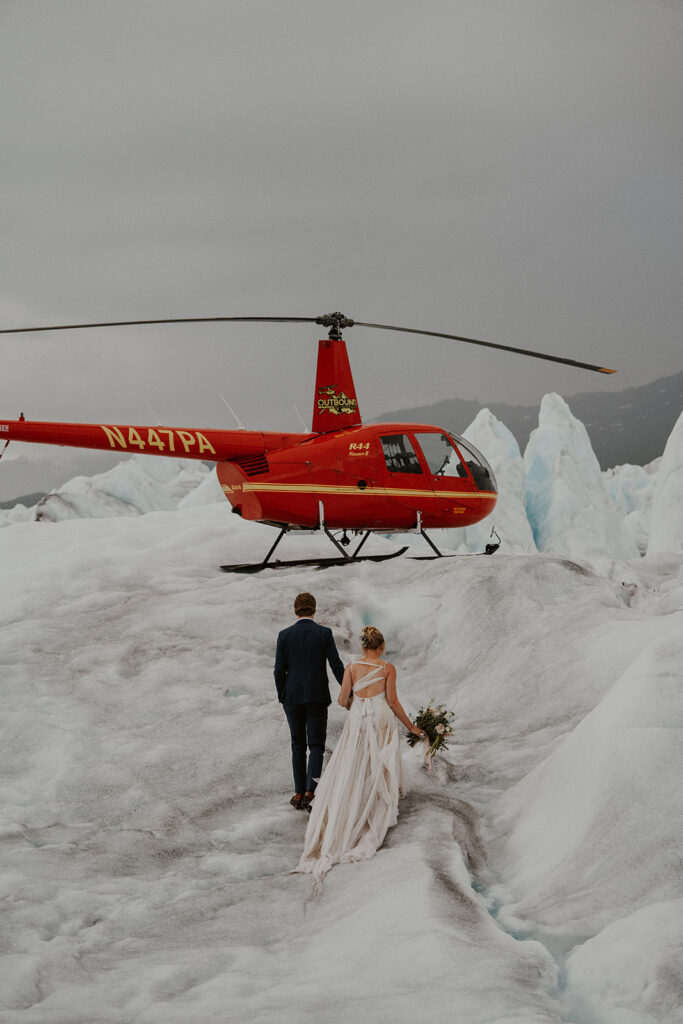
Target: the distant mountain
pixel 626 426
pixel 24 499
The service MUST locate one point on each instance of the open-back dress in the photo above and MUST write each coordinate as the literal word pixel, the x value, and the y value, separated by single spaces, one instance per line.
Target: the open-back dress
pixel 357 797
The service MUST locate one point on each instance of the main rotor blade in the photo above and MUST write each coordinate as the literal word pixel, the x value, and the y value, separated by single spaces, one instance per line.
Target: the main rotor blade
pixel 309 320
pixel 489 344
pixel 174 320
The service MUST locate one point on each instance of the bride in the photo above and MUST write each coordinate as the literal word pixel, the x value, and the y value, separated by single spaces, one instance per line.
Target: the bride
pixel 357 798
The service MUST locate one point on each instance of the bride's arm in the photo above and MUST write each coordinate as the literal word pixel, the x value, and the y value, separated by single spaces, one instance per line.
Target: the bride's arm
pixel 345 693
pixel 395 704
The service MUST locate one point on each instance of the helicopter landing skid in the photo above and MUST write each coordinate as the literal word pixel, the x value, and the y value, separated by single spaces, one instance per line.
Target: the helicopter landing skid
pixel 318 563
pixel 313 563
pixel 489 550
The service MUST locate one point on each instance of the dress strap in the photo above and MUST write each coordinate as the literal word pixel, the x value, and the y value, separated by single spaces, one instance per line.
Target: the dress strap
pixel 370 677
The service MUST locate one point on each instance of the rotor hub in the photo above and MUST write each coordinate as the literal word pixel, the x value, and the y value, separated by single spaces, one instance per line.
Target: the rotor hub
pixel 336 323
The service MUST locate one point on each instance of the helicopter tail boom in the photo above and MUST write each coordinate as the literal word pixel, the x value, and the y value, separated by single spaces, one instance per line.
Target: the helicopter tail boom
pixel 173 442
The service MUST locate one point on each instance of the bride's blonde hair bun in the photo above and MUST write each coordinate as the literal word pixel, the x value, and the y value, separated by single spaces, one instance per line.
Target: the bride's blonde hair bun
pixel 371 639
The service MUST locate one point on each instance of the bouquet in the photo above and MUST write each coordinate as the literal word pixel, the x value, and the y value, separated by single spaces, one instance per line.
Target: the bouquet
pixel 436 722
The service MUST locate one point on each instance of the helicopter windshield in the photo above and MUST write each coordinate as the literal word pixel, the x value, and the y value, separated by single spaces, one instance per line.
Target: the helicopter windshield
pixel 482 474
pixel 440 455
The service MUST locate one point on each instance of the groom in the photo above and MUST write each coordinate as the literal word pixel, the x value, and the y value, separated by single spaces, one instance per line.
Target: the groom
pixel 302 688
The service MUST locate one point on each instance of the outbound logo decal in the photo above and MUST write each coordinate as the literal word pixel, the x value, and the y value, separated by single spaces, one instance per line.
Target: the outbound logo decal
pixel 338 404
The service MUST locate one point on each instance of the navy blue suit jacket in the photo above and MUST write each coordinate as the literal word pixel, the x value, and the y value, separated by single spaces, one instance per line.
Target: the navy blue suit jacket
pixel 300 663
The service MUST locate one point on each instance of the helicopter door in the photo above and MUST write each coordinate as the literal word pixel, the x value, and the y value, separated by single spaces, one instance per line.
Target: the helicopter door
pixel 399 454
pixel 405 478
pixel 450 476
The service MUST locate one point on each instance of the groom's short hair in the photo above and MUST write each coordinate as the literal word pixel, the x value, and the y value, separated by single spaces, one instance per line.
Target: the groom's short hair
pixel 304 604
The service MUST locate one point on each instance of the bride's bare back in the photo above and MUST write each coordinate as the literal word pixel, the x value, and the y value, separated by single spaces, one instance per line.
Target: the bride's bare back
pixel 361 670
pixel 386 683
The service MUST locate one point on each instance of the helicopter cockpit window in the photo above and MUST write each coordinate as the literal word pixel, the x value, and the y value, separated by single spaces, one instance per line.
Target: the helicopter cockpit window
pixel 399 454
pixel 440 455
pixel 482 474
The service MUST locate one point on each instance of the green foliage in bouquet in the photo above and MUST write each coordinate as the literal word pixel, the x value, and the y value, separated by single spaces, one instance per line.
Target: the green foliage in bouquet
pixel 437 722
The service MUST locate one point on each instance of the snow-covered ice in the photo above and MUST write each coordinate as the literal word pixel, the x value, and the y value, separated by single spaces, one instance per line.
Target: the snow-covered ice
pixel 606 801
pixel 493 438
pixel 146 836
pixel 631 971
pixel 631 489
pixel 142 484
pixel 567 501
pixel 667 510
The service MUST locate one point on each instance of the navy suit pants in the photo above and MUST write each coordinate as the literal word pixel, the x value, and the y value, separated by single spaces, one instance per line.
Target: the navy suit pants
pixel 308 727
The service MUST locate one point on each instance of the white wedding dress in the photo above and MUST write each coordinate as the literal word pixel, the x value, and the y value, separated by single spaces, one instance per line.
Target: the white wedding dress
pixel 357 797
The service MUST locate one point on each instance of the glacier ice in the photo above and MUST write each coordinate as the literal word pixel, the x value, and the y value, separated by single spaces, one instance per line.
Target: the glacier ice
pixel 666 533
pixel 567 502
pixel 606 801
pixel 631 489
pixel 140 484
pixel 632 971
pixel 147 838
pixel 493 438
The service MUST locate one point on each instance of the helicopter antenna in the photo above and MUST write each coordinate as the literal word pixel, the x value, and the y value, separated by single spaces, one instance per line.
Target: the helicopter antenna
pixel 240 425
pixel 301 419
pixel 335 322
pixel 154 414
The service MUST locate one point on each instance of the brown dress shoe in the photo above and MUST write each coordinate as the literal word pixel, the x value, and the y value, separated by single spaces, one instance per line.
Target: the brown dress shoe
pixel 297 801
pixel 308 800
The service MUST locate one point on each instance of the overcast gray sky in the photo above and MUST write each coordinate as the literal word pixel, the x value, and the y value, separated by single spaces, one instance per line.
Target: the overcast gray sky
pixel 504 169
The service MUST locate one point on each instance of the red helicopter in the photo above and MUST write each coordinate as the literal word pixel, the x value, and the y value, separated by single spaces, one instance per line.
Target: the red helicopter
pixel 343 476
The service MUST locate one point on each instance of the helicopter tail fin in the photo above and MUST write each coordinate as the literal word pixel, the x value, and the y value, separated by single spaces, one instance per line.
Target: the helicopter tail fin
pixel 335 404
